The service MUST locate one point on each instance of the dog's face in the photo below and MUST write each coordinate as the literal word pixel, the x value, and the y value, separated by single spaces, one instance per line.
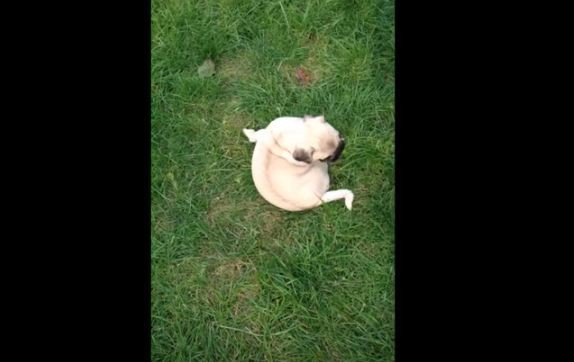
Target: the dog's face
pixel 320 142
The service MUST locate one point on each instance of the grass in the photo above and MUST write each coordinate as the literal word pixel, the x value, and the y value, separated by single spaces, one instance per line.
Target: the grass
pixel 234 278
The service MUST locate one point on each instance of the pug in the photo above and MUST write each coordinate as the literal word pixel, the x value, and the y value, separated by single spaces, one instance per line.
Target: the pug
pixel 290 162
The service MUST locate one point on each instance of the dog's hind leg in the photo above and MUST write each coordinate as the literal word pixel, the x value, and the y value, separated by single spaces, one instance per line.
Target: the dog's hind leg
pixel 338 195
pixel 253 135
pixel 265 136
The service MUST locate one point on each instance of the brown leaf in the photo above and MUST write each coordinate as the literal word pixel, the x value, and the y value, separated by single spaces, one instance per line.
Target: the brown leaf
pixel 302 77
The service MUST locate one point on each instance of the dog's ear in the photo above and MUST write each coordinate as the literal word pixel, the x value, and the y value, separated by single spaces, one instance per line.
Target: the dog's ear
pixel 319 119
pixel 302 156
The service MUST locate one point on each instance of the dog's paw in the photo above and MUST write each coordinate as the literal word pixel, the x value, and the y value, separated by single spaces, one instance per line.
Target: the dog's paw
pixel 250 134
pixel 349 200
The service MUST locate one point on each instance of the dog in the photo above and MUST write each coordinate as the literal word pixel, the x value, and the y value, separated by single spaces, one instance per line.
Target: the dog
pixel 290 162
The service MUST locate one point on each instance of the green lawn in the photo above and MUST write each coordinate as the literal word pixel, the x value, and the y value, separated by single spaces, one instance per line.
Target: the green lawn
pixel 234 278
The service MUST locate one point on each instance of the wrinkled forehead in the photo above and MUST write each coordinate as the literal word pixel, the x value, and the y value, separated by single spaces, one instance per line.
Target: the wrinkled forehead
pixel 329 144
pixel 324 129
pixel 325 138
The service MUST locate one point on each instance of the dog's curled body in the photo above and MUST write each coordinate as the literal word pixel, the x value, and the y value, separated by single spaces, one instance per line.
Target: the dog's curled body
pixel 285 185
pixel 288 164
